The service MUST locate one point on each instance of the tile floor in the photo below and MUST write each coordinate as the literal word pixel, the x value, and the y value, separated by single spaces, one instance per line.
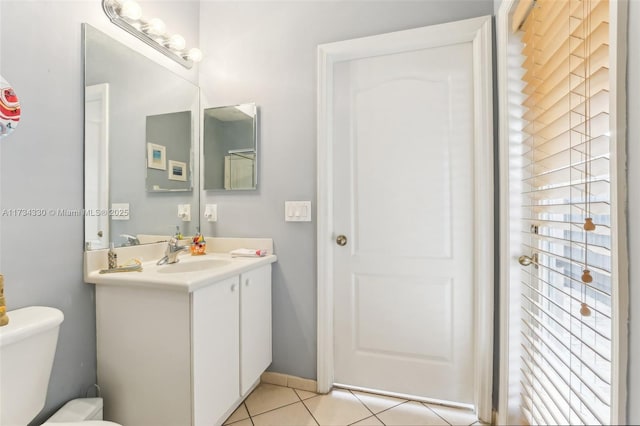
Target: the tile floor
pixel 281 406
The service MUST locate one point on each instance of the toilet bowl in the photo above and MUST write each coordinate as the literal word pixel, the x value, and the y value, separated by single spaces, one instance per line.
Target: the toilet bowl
pixel 27 348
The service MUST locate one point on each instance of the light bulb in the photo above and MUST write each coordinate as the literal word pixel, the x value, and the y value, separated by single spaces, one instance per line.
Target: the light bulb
pixel 130 9
pixel 194 54
pixel 155 26
pixel 176 42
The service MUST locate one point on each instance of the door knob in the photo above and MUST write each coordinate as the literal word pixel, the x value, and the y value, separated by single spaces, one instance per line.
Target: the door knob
pixel 525 260
pixel 341 240
pixel 99 233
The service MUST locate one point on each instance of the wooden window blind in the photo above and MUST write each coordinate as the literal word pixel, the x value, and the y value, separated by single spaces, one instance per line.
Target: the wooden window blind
pixel 567 298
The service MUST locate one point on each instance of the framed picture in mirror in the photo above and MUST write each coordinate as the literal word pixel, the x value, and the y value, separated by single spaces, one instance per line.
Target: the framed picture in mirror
pixel 156 156
pixel 177 170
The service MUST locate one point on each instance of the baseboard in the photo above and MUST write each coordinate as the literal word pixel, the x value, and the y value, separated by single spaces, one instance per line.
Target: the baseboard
pixel 289 381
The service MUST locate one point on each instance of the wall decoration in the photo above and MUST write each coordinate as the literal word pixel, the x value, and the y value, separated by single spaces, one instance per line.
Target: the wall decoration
pixel 156 156
pixel 9 108
pixel 177 170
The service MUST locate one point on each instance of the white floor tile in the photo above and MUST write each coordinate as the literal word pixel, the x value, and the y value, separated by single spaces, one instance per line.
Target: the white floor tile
pixel 377 403
pixel 291 415
pixel 305 394
pixel 339 407
pixel 455 416
pixel 369 421
pixel 410 414
pixel 245 422
pixel 268 397
pixel 240 414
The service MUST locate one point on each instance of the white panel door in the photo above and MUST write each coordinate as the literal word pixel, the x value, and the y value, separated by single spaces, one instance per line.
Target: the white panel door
pixel 403 186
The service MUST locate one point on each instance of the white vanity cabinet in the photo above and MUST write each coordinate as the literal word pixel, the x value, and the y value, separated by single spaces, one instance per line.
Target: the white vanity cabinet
pixel 255 326
pixel 215 345
pixel 169 357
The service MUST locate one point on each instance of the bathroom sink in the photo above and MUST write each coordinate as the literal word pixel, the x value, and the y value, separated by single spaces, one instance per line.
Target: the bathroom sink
pixel 195 266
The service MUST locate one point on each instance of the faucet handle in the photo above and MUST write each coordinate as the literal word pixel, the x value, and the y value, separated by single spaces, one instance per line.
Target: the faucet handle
pixel 174 245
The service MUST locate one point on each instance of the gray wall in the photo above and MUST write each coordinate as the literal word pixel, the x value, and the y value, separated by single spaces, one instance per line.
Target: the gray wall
pixel 41 167
pixel 496 6
pixel 265 52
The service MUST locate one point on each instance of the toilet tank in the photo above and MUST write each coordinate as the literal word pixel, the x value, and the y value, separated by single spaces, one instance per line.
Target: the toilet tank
pixel 27 348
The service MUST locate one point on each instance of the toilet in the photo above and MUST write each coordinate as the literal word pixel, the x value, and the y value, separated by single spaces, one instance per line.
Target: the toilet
pixel 27 348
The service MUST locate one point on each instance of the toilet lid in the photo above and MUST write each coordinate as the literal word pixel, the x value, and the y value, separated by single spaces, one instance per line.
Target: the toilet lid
pixel 83 423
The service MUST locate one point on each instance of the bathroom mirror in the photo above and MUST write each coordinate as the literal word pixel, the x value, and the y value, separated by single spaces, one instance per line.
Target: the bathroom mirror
pixel 230 147
pixel 141 128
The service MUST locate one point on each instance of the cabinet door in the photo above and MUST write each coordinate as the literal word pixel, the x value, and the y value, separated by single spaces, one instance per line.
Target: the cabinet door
pixel 215 345
pixel 255 325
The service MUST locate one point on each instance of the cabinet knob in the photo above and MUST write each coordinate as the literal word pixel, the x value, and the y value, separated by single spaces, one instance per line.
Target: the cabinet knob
pixel 233 287
pixel 246 282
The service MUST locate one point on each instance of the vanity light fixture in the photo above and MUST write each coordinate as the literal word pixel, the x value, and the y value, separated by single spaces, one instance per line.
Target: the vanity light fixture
pixel 127 14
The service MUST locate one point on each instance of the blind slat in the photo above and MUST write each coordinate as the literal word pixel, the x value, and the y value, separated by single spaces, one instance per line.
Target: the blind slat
pixel 553 349
pixel 566 311
pixel 562 394
pixel 552 409
pixel 531 359
pixel 551 317
pixel 540 160
pixel 558 223
pixel 548 226
pixel 577 263
pixel 548 95
pixel 573 298
pixel 602 311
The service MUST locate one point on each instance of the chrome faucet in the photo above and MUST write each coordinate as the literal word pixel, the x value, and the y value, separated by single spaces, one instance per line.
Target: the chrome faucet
pixel 172 251
pixel 131 240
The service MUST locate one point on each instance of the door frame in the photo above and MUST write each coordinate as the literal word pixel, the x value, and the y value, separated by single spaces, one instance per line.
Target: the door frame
pixel 508 408
pixel 478 32
pixel 98 92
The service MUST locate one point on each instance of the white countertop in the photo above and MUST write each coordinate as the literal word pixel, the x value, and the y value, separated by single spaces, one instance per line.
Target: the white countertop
pixel 155 276
pixel 151 277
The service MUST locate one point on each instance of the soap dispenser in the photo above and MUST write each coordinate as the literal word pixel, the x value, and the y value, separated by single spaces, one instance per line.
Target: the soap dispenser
pixel 178 234
pixel 112 257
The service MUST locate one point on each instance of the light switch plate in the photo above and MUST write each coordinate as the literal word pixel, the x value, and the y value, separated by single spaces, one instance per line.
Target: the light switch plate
pixel 211 212
pixel 184 212
pixel 297 211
